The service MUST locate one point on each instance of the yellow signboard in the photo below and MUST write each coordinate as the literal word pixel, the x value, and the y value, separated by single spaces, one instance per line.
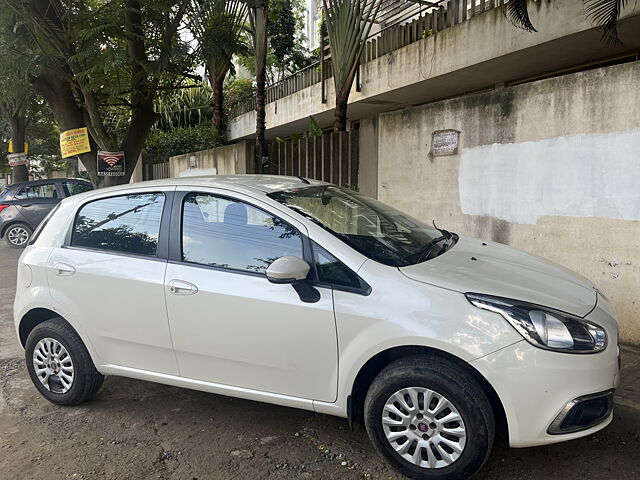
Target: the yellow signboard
pixel 26 147
pixel 74 142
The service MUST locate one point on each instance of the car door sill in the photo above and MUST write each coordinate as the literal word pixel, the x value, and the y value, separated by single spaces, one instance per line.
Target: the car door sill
pixel 220 389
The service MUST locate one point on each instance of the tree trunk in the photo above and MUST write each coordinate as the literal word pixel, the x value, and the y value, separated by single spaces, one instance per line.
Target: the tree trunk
pixel 342 100
pixel 58 95
pixel 219 117
pixel 340 114
pixel 260 46
pixel 19 173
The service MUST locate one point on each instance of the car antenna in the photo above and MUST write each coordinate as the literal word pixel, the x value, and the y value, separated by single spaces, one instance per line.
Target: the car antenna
pixel 303 180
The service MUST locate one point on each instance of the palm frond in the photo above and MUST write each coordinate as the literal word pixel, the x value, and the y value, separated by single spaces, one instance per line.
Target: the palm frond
pixel 517 11
pixel 606 14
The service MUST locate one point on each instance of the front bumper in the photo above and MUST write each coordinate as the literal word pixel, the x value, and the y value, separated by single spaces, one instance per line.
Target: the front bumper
pixel 535 387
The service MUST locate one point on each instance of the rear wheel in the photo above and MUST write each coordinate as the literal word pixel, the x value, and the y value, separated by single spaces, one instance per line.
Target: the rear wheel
pixel 60 365
pixel 18 235
pixel 430 419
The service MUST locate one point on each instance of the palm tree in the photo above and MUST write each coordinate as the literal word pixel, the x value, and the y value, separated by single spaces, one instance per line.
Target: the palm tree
pixel 604 13
pixel 348 25
pixel 218 27
pixel 258 18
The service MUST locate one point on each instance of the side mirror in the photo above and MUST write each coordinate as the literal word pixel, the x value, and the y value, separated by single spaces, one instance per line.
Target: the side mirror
pixel 288 269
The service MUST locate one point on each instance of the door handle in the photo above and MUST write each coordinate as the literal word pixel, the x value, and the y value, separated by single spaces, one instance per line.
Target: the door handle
pixel 26 204
pixel 64 269
pixel 180 287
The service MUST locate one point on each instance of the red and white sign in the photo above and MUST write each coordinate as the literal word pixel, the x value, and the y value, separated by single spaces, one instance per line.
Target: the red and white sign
pixel 110 164
pixel 16 159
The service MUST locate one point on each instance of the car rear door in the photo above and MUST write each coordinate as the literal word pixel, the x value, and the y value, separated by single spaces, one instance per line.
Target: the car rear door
pixel 229 324
pixel 109 276
pixel 33 201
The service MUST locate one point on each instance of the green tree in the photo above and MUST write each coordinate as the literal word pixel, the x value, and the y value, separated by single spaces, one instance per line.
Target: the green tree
pixel 219 26
pixel 604 13
pixel 98 60
pixel 348 25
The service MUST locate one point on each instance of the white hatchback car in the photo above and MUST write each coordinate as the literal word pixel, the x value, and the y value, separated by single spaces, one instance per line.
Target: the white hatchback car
pixel 305 294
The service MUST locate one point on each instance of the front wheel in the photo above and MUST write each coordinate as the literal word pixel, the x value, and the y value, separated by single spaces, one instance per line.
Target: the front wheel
pixel 430 419
pixel 18 235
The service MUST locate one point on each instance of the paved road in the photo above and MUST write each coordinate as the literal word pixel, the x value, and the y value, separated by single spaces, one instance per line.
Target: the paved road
pixel 137 430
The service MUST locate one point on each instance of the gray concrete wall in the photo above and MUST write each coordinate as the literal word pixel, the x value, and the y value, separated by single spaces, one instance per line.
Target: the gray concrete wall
pixel 551 167
pixel 232 159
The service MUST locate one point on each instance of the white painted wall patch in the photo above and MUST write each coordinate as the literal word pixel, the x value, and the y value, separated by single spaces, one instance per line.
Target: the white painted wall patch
pixel 586 175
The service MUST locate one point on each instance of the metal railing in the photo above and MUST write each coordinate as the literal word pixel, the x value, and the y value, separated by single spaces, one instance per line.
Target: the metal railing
pixel 439 16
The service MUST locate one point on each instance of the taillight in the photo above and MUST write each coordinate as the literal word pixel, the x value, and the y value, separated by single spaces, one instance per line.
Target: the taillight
pixel 3 206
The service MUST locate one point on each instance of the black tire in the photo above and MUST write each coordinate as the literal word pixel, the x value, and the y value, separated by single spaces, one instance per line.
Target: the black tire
pixel 15 228
pixel 86 379
pixel 457 386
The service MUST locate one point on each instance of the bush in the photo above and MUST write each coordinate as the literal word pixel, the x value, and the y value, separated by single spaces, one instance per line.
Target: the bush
pixel 164 144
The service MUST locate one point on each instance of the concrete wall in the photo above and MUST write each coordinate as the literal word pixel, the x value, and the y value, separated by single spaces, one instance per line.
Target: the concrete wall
pixel 551 167
pixel 227 160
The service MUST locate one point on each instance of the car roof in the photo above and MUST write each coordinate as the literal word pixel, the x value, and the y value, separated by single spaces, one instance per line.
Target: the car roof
pixel 253 183
pixel 45 180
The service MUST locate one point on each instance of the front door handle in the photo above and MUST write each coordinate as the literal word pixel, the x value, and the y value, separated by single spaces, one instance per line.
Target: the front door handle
pixel 64 269
pixel 180 287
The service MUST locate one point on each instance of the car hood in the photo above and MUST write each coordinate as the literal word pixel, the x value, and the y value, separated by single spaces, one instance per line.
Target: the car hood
pixel 495 269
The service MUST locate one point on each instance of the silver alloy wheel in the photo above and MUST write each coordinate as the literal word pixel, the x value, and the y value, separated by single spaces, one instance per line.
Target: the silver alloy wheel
pixel 53 365
pixel 423 427
pixel 18 236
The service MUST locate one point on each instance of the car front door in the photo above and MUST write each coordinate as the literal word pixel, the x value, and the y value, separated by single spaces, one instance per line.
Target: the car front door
pixel 35 201
pixel 229 324
pixel 109 277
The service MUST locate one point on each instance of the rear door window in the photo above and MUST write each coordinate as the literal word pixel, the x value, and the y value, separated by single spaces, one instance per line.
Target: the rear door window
pixel 127 224
pixel 74 188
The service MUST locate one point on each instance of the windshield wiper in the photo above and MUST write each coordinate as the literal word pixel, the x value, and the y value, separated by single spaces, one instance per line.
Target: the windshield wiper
pixel 429 246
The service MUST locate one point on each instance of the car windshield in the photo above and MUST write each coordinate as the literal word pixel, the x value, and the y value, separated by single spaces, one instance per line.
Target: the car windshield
pixel 372 228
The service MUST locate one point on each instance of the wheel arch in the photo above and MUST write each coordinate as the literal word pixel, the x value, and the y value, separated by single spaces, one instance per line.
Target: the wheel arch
pixel 369 371
pixel 10 224
pixel 33 318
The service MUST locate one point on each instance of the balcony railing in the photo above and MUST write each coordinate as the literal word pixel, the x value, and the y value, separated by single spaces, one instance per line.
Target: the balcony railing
pixel 435 17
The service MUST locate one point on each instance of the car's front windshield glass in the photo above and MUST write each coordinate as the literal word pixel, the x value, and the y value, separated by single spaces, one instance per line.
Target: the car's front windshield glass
pixel 372 228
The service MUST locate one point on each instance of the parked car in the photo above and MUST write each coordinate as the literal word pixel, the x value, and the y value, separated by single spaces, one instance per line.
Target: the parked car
pixel 24 205
pixel 305 294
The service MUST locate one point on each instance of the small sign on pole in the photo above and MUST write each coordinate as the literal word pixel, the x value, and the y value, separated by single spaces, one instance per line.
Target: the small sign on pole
pixel 111 164
pixel 16 159
pixel 74 142
pixel 444 142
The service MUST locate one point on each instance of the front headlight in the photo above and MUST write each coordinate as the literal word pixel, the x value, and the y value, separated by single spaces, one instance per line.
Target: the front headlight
pixel 544 327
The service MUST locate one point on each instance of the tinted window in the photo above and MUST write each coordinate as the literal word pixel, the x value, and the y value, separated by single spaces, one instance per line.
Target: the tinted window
pixel 3 191
pixel 221 232
pixel 331 270
pixel 34 192
pixel 129 223
pixel 73 188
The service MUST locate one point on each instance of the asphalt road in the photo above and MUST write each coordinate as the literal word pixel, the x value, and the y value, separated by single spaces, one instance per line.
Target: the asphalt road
pixel 138 430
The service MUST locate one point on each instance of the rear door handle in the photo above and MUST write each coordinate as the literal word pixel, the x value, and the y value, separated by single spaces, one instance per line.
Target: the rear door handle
pixel 64 269
pixel 180 287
